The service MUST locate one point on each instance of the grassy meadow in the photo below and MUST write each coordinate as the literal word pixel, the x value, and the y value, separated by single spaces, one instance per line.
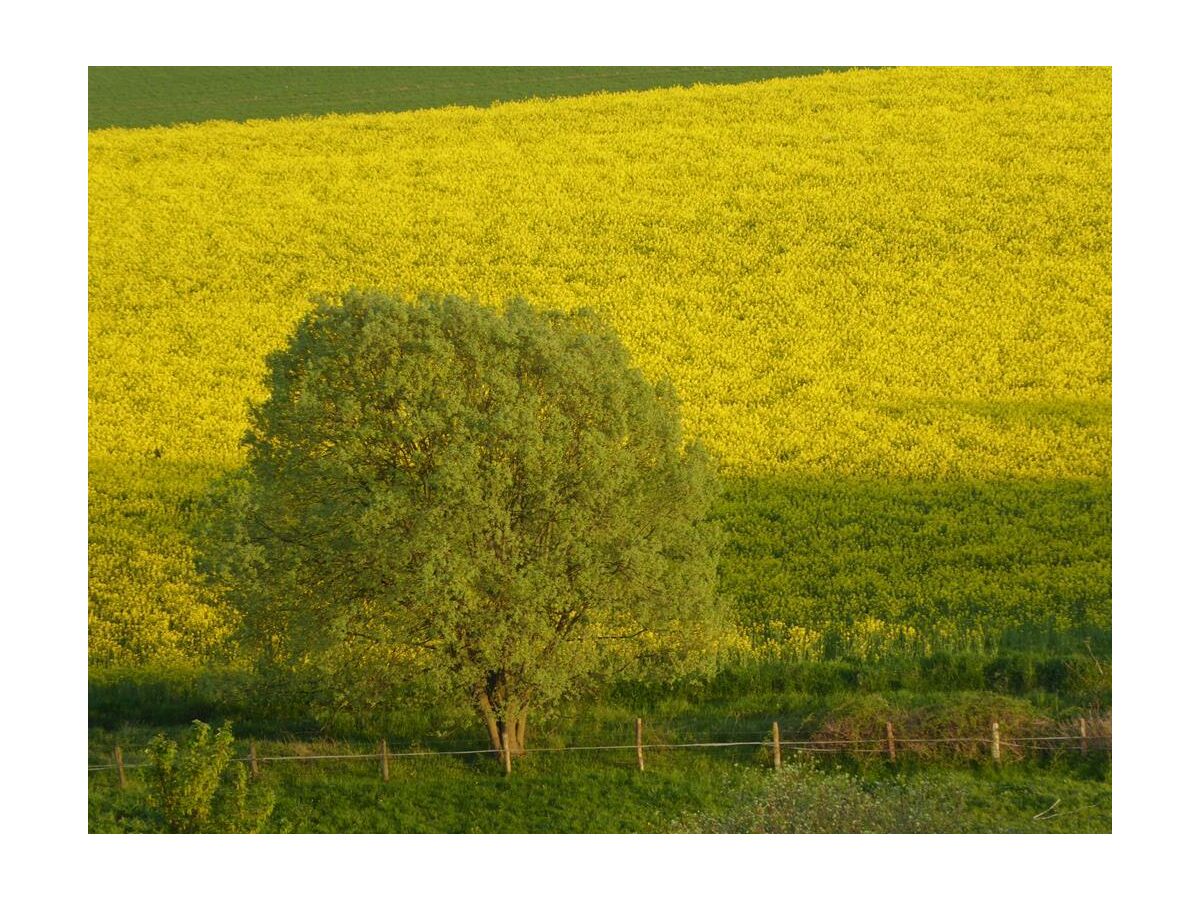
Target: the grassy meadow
pixel 882 295
pixel 602 790
pixel 598 793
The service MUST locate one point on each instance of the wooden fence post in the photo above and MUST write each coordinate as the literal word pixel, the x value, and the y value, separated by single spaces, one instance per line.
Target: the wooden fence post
pixel 891 742
pixel 996 741
pixel 383 759
pixel 778 746
pixel 253 760
pixel 1083 740
pixel 507 755
pixel 641 757
pixel 120 766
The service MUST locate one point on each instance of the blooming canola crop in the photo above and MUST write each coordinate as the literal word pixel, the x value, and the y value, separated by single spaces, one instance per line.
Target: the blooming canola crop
pixel 886 274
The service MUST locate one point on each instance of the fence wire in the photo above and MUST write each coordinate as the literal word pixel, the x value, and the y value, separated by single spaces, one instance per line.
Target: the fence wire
pixel 830 745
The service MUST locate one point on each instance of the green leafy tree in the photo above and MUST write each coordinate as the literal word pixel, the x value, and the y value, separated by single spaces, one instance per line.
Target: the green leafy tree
pixel 200 788
pixel 495 504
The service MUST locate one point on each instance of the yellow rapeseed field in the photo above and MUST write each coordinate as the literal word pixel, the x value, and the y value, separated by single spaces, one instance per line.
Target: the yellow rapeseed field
pixel 899 273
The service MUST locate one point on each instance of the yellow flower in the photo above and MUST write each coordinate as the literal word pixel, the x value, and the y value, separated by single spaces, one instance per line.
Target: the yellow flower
pixel 892 273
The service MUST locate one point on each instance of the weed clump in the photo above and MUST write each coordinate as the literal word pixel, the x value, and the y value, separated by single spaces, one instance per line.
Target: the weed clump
pixel 802 799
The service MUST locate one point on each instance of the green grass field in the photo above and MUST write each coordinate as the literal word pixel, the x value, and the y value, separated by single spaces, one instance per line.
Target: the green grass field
pixel 140 96
pixel 1031 693
pixel 598 795
pixel 599 791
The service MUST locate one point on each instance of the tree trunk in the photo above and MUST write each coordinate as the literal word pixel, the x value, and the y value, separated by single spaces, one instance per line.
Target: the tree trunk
pixel 510 733
pixel 489 718
pixel 522 721
pixel 502 720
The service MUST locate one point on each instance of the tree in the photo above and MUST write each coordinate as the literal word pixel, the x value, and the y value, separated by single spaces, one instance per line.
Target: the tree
pixel 497 504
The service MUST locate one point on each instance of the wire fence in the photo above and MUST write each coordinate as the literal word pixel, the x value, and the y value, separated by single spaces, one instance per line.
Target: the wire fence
pixel 891 745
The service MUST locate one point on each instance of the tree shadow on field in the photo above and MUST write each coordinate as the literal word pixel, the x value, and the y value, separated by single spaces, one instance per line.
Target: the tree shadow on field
pixel 839 584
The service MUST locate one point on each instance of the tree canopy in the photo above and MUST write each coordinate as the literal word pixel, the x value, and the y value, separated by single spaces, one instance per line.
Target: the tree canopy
pixel 496 504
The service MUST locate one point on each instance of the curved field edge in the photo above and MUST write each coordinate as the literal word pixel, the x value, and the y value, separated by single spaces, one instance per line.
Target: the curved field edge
pixel 144 96
pixel 896 277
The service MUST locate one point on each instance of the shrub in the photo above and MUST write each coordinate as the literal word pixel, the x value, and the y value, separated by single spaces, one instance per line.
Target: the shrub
pixel 801 799
pixel 200 788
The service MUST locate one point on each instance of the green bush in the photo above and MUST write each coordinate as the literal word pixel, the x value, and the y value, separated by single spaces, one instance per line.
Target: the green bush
pixel 200 788
pixel 802 799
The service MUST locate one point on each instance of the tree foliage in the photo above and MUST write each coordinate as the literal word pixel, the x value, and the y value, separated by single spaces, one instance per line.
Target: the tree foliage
pixel 496 504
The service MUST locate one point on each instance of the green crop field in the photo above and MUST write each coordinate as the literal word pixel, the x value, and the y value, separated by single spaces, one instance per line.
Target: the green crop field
pixel 140 96
pixel 883 297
